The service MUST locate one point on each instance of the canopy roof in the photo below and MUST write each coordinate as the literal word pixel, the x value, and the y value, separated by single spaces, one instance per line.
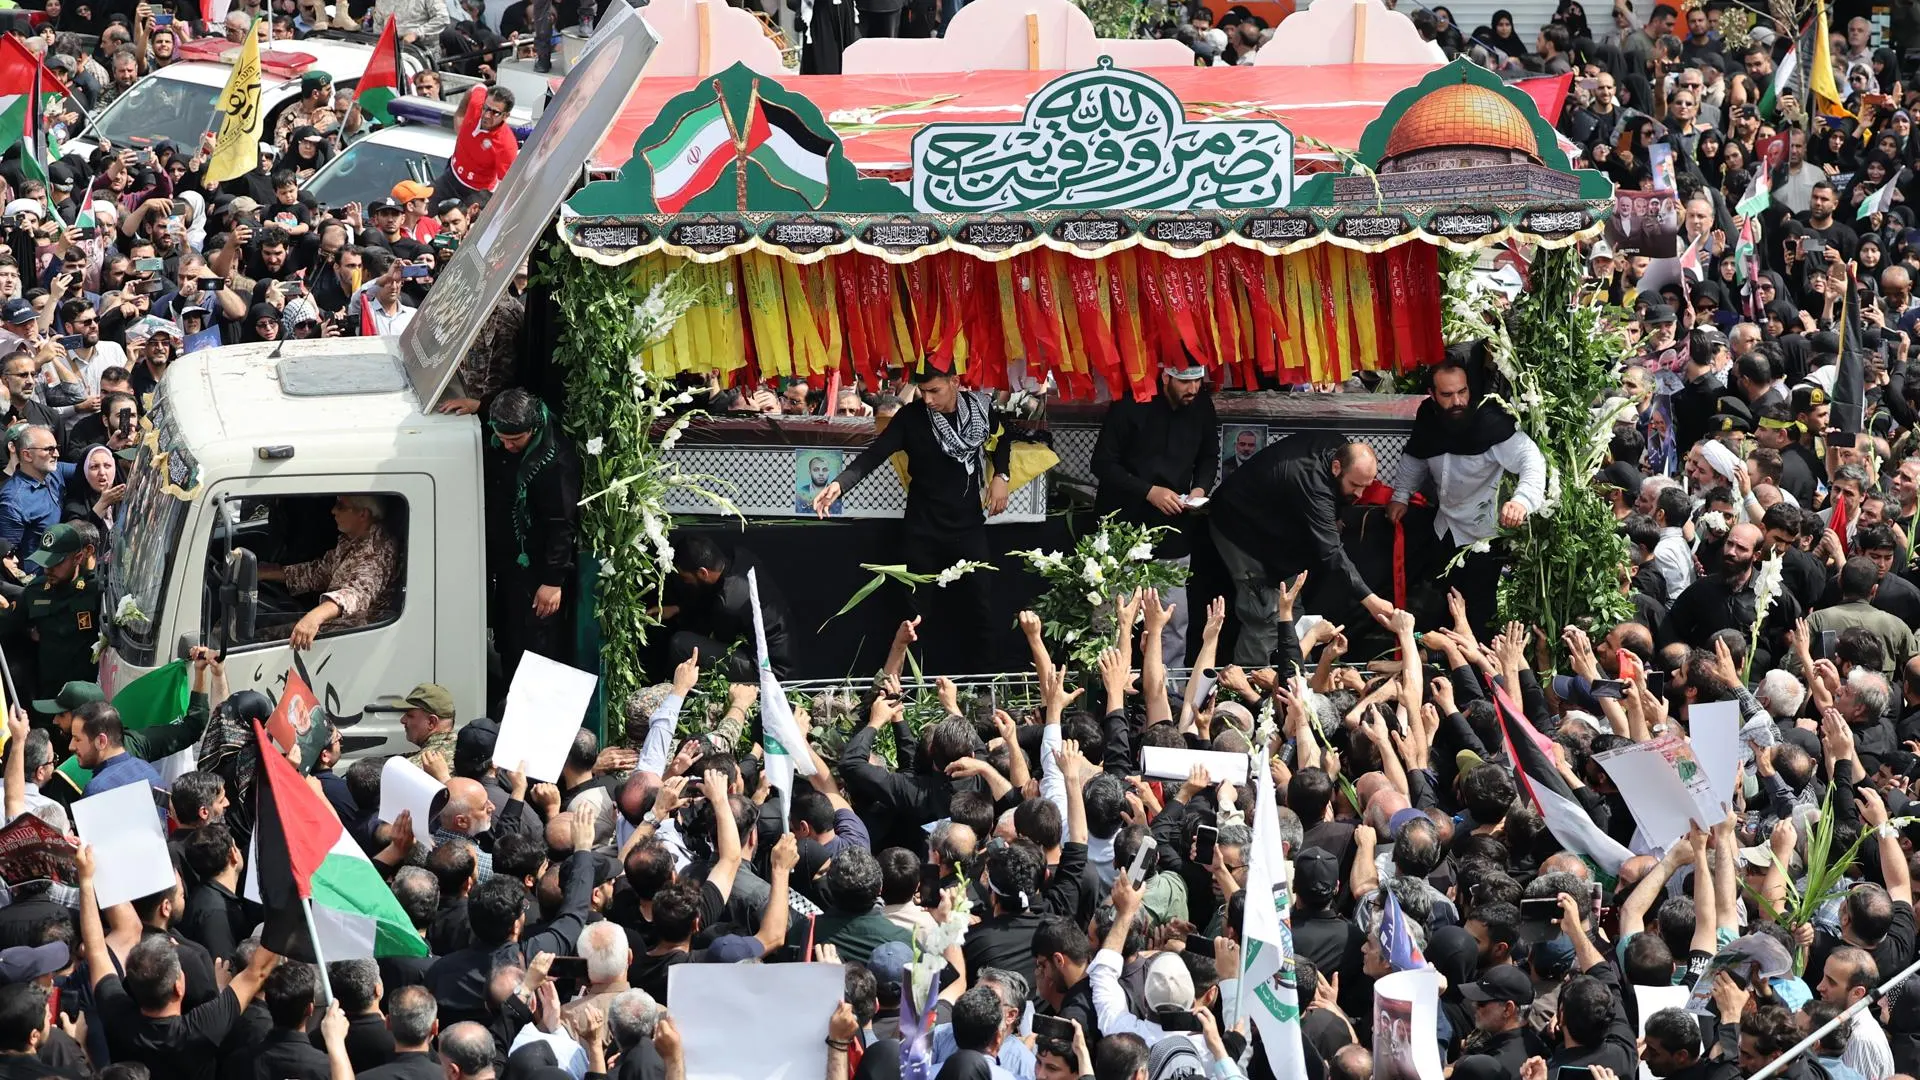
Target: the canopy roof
pixel 1323 106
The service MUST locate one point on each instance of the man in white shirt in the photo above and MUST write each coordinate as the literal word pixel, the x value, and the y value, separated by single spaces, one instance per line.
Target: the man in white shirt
pixel 78 318
pixel 385 307
pixel 1673 556
pixel 1850 975
pixel 1466 444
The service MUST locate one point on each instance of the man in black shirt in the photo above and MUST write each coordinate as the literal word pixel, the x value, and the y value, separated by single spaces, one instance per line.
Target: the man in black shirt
pixel 412 1017
pixel 1152 458
pixel 944 434
pixel 1726 602
pixel 356 986
pixel 24 1029
pixel 1499 1002
pixel 141 1013
pixel 1279 514
pixel 287 1054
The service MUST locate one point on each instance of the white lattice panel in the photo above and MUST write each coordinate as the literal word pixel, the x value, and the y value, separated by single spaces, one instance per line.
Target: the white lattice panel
pixel 764 481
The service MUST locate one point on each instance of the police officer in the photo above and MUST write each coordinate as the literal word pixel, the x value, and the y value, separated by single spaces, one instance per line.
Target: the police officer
pixel 61 606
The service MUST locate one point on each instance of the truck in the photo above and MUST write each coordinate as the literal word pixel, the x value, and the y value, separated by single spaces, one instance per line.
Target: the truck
pixel 244 449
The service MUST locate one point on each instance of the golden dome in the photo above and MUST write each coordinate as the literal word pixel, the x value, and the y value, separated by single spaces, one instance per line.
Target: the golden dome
pixel 1463 114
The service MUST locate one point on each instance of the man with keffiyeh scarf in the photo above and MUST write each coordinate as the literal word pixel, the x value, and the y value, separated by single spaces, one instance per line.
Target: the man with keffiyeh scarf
pixel 944 435
pixel 533 513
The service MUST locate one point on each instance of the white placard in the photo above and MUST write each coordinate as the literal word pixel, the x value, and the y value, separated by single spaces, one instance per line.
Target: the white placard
pixel 1715 731
pixel 544 707
pixel 1650 1000
pixel 130 858
pixel 406 786
pixel 1660 802
pixel 790 1005
pixel 1406 1045
pixel 1169 763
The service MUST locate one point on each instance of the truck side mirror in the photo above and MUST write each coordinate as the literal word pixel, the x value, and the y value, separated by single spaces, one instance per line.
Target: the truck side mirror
pixel 239 598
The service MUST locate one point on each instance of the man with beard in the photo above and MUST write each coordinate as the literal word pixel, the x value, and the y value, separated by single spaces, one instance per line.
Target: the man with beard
pixel 709 607
pixel 1726 602
pixel 1152 460
pixel 1285 505
pixel 533 513
pixel 1466 445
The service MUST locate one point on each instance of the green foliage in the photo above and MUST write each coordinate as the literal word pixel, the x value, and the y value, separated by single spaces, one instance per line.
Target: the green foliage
pixel 613 412
pixel 1114 560
pixel 1563 564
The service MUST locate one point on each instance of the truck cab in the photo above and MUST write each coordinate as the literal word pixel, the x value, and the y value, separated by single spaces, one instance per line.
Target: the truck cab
pixel 244 451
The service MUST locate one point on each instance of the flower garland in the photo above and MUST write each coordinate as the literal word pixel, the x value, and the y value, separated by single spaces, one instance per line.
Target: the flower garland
pixel 1564 563
pixel 614 411
pixel 1114 560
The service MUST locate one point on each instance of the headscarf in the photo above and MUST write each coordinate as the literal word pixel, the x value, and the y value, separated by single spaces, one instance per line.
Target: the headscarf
pixel 966 1065
pixel 299 309
pixel 322 150
pixel 257 312
pixel 111 456
pixel 229 747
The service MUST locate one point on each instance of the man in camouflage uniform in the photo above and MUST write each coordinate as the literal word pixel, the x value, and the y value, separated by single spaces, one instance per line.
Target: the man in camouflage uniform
pixel 61 607
pixel 428 723
pixel 314 109
pixel 355 580
pixel 487 368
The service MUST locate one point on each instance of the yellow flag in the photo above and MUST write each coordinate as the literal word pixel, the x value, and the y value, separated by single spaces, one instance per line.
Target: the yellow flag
pixel 1826 96
pixel 236 146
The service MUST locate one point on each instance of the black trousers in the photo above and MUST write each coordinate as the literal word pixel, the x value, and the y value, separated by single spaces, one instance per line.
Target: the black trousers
pixel 880 24
pixel 1478 579
pixel 517 630
pixel 954 632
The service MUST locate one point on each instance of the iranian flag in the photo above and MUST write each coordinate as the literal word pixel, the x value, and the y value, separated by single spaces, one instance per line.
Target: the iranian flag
pixel 1542 784
pixel 789 152
pixel 691 158
pixel 386 77
pixel 303 856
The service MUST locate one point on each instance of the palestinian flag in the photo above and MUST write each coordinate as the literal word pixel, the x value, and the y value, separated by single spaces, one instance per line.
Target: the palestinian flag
pixel 303 856
pixel 791 155
pixel 23 79
pixel 1758 196
pixel 1785 74
pixel 1542 784
pixel 386 77
pixel 157 698
pixel 692 156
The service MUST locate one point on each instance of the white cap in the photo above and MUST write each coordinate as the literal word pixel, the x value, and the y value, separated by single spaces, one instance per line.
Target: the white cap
pixel 1601 250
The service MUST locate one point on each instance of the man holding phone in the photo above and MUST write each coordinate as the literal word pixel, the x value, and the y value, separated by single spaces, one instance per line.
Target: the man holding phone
pixel 81 326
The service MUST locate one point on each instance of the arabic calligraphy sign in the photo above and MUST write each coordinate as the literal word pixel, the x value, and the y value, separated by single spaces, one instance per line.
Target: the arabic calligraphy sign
pixel 1105 138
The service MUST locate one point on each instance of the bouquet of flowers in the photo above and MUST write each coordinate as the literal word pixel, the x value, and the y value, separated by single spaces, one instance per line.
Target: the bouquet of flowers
pixel 1114 560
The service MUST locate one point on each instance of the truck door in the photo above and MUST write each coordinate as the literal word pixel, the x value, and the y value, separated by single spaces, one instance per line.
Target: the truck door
pixel 386 647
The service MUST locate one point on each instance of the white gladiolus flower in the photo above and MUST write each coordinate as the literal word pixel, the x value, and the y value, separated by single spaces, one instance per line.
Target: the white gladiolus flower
pixel 1070 636
pixel 1141 552
pixel 1102 545
pixel 1092 573
pixel 595 445
pixel 952 574
pixel 1093 598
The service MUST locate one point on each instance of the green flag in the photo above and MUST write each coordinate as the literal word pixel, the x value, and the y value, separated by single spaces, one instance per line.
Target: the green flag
pixel 158 697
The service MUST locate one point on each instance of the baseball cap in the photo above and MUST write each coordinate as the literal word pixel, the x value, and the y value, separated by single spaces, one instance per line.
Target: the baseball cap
pixel 242 204
pixel 1759 856
pixel 26 962
pixel 1576 691
pixel 1502 982
pixel 1401 818
pixel 387 203
pixel 431 697
pixel 55 544
pixel 71 696
pixel 1622 475
pixel 409 190
pixel 1316 873
pixel 1168 983
pixel 889 963
pixel 1601 250
pixel 1466 761
pixel 1552 958
pixel 473 747
pixel 17 312
pixel 1659 315
pixel 735 948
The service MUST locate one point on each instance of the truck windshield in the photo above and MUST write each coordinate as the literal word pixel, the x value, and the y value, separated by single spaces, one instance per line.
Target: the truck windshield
pixel 158 108
pixel 164 473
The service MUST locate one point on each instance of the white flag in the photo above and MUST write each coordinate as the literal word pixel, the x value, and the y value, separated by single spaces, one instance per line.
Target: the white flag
pixel 1881 200
pixel 786 750
pixel 1268 990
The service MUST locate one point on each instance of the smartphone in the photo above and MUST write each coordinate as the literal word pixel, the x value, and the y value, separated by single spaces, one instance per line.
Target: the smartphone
pixel 149 266
pixel 1629 665
pixel 1573 1072
pixel 1057 1028
pixel 413 271
pixel 1829 643
pixel 1544 909
pixel 293 288
pixel 1589 85
pixel 569 967
pixel 71 342
pixel 1811 246
pixel 1657 683
pixel 143 157
pixel 212 284
pixel 1200 944
pixel 1843 438
pixel 152 287
pixel 1609 688
pixel 1204 841
pixel 1137 873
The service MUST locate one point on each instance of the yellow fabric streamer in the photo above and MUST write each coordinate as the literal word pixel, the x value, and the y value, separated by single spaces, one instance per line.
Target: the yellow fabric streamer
pixel 1293 357
pixel 1334 282
pixel 1366 329
pixel 767 313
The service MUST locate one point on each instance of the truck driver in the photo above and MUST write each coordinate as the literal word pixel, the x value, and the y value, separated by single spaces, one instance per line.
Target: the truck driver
pixel 355 580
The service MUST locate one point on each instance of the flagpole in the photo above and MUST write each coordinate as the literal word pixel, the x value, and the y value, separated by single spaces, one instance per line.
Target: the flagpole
pixel 6 674
pixel 319 961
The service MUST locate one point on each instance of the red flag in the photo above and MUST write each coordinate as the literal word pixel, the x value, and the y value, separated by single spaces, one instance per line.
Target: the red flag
pixel 368 328
pixel 292 717
pixel 1839 519
pixel 1549 94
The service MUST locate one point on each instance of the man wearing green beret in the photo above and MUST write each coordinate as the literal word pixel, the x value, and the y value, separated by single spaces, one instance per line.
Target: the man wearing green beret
pixel 61 606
